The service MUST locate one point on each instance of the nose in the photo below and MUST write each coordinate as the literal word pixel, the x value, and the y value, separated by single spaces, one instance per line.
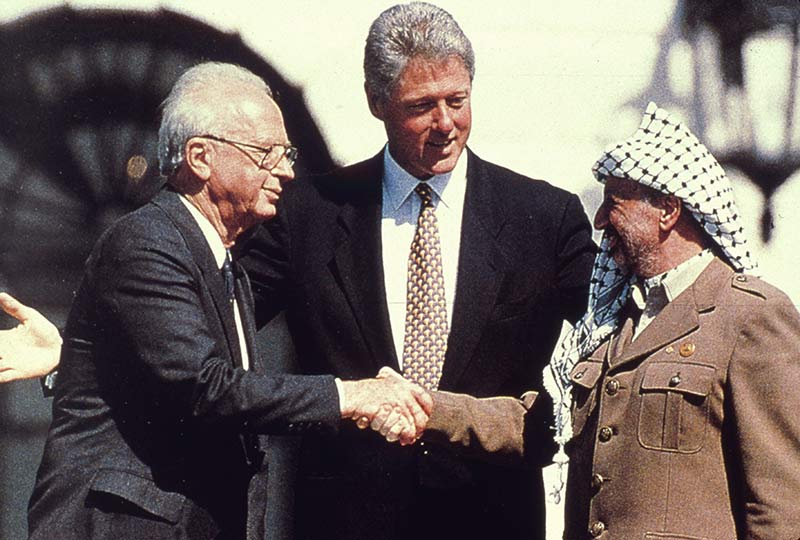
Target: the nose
pixel 601 217
pixel 284 171
pixel 442 118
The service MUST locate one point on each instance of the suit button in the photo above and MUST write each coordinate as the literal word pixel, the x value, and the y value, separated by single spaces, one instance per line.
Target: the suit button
pixel 605 434
pixel 597 481
pixel 597 528
pixel 612 387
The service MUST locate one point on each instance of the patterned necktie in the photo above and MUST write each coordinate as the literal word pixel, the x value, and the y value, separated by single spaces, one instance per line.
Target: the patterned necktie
pixel 426 329
pixel 227 275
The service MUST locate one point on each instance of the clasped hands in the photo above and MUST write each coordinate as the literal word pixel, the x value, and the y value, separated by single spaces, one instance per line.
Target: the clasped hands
pixel 396 408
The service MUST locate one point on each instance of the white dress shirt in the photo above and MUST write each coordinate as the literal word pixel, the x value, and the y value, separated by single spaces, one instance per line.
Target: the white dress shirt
pixel 218 250
pixel 400 210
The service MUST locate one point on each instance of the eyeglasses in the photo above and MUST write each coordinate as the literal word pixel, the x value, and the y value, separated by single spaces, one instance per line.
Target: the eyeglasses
pixel 272 154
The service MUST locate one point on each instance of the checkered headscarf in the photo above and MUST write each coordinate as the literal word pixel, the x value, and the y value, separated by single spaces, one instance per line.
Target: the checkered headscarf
pixel 666 156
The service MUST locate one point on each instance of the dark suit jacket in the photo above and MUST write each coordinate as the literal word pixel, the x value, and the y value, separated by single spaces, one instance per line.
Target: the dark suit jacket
pixel 153 420
pixel 525 260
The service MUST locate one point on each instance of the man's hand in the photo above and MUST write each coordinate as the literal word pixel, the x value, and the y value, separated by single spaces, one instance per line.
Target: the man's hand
pixel 32 348
pixel 397 408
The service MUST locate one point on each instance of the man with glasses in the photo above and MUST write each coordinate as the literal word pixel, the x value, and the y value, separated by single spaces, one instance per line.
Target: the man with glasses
pixel 161 393
pixel 425 258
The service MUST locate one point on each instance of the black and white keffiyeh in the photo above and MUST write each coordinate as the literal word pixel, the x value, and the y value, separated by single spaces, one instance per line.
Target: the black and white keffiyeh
pixel 664 155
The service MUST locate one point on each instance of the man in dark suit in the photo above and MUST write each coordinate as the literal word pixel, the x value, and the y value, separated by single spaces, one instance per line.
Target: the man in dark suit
pixel 511 262
pixel 161 392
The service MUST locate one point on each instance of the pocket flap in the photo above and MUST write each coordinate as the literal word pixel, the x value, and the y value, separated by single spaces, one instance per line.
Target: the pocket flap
pixel 586 373
pixel 140 491
pixel 679 377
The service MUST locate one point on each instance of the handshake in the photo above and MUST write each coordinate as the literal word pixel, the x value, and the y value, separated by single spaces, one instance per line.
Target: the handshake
pixel 397 408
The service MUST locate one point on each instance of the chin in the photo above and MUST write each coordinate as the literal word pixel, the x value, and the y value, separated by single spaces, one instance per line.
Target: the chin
pixel 445 166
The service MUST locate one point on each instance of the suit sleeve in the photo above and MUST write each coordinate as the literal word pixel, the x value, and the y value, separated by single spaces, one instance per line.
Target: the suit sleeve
pixel 152 301
pixel 764 382
pixel 575 254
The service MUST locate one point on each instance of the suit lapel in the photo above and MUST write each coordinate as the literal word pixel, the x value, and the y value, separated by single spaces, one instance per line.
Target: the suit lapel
pixel 358 262
pixel 480 269
pixel 204 259
pixel 680 316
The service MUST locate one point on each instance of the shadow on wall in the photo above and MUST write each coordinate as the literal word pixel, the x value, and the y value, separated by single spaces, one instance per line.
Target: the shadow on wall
pixel 78 129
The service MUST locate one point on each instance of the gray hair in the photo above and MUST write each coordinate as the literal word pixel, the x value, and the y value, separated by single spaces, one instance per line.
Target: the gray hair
pixel 405 31
pixel 192 108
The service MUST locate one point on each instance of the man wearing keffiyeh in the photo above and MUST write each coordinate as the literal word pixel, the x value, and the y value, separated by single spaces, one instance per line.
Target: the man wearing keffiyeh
pixel 682 377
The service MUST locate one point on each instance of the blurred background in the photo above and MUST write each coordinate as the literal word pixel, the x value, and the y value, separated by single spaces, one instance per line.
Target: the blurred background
pixel 555 83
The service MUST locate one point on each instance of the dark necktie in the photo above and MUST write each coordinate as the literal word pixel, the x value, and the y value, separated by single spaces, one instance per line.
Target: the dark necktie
pixel 227 275
pixel 426 327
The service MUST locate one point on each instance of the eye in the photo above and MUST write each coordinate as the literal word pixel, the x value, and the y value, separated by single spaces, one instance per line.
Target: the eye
pixel 457 102
pixel 421 106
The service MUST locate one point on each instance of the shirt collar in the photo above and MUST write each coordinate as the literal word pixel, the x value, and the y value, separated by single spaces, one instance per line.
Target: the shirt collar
pixel 209 232
pixel 398 184
pixel 675 280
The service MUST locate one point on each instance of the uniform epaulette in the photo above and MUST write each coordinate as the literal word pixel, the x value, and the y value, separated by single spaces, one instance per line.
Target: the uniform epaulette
pixel 750 284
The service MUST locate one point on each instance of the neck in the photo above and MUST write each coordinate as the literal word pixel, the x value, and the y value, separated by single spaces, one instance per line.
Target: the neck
pixel 227 228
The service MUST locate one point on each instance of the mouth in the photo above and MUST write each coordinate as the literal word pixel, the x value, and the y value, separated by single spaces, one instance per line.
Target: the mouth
pixel 613 239
pixel 272 195
pixel 440 144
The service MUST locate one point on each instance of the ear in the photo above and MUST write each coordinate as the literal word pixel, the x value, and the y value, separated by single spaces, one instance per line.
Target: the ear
pixel 375 106
pixel 197 158
pixel 671 208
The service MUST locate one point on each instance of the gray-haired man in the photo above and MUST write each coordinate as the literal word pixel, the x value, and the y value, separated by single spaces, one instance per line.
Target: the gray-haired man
pixel 161 392
pixel 427 259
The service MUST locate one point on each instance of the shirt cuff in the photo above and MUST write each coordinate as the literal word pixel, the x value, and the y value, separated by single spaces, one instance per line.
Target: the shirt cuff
pixel 340 391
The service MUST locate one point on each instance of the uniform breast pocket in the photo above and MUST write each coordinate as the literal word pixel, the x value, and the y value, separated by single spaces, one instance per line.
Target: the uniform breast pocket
pixel 584 377
pixel 674 409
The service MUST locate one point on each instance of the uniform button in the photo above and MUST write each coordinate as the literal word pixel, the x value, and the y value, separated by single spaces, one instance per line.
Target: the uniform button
pixel 597 480
pixel 670 349
pixel 687 349
pixel 597 528
pixel 612 387
pixel 741 279
pixel 675 380
pixel 606 433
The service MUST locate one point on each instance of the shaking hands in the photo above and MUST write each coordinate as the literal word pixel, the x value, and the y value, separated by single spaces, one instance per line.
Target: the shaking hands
pixel 391 405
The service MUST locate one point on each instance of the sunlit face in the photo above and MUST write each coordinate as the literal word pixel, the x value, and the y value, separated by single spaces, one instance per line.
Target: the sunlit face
pixel 631 223
pixel 245 193
pixel 428 115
